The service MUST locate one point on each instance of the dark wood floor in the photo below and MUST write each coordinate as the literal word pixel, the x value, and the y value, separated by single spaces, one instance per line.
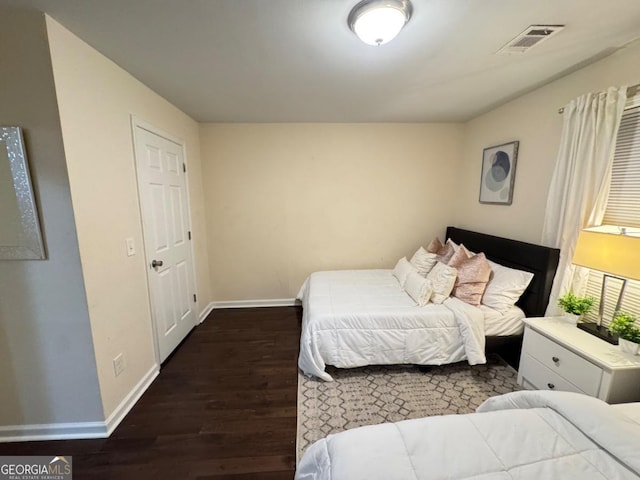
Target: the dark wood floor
pixel 222 408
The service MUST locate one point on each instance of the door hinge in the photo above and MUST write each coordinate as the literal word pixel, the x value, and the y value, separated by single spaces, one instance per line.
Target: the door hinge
pixel 189 235
pixel 194 297
pixel 184 167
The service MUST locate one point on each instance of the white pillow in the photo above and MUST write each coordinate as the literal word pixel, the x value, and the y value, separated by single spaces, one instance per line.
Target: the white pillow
pixel 453 244
pixel 442 278
pixel 402 269
pixel 505 287
pixel 418 288
pixel 423 261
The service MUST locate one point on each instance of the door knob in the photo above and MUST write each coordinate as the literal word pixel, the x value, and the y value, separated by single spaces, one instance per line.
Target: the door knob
pixel 555 359
pixel 157 263
pixel 551 386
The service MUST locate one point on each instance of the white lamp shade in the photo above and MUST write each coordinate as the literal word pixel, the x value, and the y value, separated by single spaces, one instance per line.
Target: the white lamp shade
pixel 379 26
pixel 605 249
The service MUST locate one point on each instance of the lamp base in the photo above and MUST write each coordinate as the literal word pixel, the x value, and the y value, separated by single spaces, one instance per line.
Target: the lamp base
pixel 599 331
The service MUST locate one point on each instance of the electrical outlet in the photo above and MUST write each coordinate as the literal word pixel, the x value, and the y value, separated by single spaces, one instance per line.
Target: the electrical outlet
pixel 118 364
pixel 131 247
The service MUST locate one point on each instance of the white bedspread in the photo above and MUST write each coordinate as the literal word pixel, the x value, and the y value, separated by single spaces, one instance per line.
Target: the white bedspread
pixel 498 324
pixel 528 435
pixel 353 318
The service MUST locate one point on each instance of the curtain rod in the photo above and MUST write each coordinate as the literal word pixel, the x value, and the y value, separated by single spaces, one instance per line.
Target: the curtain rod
pixel 632 91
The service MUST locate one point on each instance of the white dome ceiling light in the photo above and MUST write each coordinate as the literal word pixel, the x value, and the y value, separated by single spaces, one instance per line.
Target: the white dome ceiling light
pixel 377 22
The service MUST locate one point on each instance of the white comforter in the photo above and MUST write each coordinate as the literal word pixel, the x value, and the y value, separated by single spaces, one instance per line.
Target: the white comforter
pixel 353 318
pixel 529 435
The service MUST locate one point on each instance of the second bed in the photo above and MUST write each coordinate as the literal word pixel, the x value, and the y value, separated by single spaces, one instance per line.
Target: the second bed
pixel 361 317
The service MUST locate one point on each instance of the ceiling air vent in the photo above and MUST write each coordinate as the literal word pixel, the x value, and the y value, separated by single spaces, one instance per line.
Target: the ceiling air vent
pixel 532 36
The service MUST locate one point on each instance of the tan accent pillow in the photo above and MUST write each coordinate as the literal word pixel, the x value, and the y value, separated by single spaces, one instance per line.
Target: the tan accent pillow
pixel 423 261
pixel 442 278
pixel 473 274
pixel 434 246
pixel 453 244
pixel 444 252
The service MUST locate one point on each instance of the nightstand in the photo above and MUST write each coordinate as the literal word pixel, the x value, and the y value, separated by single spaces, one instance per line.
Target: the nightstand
pixel 556 355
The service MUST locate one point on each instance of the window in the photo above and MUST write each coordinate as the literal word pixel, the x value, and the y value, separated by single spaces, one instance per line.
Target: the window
pixel 630 302
pixel 623 206
pixel 623 209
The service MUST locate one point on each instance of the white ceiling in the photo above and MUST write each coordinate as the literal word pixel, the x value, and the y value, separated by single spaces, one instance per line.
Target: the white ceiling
pixel 297 60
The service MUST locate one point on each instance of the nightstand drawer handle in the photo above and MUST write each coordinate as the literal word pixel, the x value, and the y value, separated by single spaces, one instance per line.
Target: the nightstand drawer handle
pixel 551 386
pixel 555 359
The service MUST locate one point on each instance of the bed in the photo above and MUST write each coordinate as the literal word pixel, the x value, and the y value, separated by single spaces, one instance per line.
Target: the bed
pixel 527 435
pixel 362 317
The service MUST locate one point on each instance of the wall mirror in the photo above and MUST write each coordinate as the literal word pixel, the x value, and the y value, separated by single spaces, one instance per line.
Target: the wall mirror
pixel 20 237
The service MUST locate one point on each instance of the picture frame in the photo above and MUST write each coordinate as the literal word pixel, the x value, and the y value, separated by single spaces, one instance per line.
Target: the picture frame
pixel 498 173
pixel 20 236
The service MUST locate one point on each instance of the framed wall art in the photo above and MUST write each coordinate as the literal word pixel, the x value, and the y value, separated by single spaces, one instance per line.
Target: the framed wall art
pixel 20 237
pixel 498 173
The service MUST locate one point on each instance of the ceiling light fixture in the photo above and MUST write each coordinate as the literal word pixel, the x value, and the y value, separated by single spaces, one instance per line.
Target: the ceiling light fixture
pixel 377 22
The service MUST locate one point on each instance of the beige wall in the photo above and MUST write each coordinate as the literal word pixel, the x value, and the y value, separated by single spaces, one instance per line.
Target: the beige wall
pixel 533 120
pixel 96 100
pixel 47 368
pixel 284 200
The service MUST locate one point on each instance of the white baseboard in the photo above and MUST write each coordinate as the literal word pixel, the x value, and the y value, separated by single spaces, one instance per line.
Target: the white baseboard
pixel 79 430
pixel 205 313
pixel 130 400
pixel 52 431
pixel 278 302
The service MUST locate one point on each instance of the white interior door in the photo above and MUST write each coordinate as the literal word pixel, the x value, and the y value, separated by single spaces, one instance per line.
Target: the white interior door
pixel 165 218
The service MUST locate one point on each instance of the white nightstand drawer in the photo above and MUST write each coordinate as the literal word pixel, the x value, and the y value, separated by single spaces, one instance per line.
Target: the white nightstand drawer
pixel 565 364
pixel 584 362
pixel 543 378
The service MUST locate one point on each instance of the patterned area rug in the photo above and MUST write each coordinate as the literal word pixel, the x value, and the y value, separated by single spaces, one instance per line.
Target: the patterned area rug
pixel 377 394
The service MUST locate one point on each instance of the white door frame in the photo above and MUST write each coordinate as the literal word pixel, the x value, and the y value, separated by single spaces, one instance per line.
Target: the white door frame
pixel 139 123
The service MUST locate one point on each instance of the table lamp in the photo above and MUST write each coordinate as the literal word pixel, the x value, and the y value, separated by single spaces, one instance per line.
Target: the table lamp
pixel 615 251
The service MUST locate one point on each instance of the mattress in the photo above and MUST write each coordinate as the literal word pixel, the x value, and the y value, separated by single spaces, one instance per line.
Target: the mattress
pixel 353 318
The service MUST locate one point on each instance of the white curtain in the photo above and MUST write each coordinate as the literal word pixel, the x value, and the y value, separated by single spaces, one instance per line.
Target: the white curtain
pixel 581 180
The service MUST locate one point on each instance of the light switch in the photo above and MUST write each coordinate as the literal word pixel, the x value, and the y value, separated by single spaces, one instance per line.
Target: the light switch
pixel 131 247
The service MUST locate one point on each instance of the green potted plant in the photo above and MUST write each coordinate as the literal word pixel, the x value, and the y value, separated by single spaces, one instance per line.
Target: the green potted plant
pixel 623 325
pixel 575 306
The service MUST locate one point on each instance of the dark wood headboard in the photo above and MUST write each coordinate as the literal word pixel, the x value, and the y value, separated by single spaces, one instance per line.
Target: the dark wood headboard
pixel 539 260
